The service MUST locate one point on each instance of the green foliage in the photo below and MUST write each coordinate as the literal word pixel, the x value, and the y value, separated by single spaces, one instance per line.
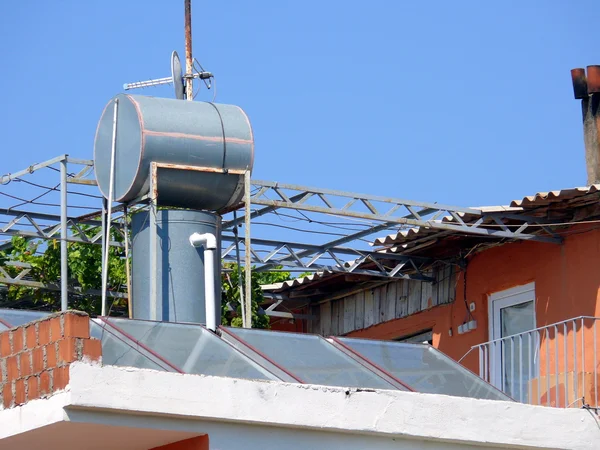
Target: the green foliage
pixel 231 309
pixel 85 275
pixel 85 272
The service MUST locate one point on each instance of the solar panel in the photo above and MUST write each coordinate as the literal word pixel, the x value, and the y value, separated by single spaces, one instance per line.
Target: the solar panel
pixel 192 348
pixel 422 367
pixel 307 357
pixel 18 317
pixel 119 350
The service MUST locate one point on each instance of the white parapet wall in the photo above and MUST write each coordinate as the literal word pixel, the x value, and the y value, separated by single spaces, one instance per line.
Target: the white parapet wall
pixel 246 414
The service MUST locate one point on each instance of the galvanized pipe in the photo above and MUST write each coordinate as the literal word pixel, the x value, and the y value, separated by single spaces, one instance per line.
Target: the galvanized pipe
pixel 64 266
pixel 109 208
pixel 247 317
pixel 189 83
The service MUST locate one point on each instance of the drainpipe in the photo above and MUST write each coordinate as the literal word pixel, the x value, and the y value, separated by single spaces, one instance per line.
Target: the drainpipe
pixel 209 242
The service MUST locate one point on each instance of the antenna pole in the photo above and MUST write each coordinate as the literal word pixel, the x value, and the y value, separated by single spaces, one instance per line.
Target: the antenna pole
pixel 189 76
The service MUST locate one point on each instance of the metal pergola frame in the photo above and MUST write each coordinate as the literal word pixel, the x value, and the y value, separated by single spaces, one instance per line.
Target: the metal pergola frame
pixel 337 255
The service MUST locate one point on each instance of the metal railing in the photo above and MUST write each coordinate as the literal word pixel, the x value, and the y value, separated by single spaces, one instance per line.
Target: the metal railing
pixel 554 365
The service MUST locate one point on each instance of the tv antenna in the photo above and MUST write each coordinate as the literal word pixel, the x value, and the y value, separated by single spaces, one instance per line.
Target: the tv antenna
pixel 182 83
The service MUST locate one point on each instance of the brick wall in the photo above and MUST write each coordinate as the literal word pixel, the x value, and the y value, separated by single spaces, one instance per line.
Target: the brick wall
pixel 35 357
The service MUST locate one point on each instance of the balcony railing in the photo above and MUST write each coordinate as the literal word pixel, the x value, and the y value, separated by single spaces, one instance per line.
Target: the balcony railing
pixel 554 365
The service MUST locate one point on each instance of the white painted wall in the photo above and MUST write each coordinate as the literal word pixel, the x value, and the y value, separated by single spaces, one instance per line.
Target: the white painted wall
pixel 245 414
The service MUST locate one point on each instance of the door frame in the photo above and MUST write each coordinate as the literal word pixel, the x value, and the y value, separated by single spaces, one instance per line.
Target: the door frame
pixel 497 301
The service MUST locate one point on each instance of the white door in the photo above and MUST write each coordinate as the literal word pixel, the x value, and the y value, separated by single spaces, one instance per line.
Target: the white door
pixel 513 351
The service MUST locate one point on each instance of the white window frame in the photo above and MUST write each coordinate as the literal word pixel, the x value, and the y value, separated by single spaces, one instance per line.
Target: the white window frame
pixel 496 302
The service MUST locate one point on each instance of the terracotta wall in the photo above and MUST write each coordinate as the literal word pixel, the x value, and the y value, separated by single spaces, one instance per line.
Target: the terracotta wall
pixel 567 279
pixel 35 357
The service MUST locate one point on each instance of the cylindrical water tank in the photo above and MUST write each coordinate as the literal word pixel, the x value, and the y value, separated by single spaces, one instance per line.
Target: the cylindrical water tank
pixel 174 132
pixel 179 275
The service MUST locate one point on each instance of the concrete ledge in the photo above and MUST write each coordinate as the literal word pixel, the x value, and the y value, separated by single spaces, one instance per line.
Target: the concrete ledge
pixel 385 413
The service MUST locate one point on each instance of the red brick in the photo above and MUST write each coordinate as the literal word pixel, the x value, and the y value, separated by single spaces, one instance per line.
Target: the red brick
pixel 37 356
pixel 50 356
pixel 31 337
pixel 17 341
pixel 7 396
pixel 92 349
pixel 25 369
pixel 44 385
pixel 33 388
pixel 12 368
pixel 20 392
pixel 77 326
pixel 67 350
pixel 55 329
pixel 44 332
pixel 60 378
pixel 5 344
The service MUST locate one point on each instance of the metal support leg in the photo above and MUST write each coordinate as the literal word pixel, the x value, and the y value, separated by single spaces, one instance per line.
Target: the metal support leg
pixel 155 313
pixel 109 208
pixel 64 267
pixel 241 285
pixel 247 319
pixel 127 264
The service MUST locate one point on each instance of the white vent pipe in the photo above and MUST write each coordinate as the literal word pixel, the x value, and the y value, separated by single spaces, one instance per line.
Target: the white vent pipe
pixel 209 242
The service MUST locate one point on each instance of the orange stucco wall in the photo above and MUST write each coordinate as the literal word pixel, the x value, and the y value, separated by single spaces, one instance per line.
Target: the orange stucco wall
pixel 567 280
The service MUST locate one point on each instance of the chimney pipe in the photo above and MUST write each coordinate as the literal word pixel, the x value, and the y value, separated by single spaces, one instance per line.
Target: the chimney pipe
pixel 587 89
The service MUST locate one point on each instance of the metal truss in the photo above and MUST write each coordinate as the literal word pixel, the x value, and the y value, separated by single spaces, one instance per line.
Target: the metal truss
pixel 344 254
pixel 335 259
pixel 390 212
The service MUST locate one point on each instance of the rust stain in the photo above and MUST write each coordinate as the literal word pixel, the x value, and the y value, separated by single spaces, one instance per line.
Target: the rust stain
pixel 197 137
pixel 593 79
pixel 580 87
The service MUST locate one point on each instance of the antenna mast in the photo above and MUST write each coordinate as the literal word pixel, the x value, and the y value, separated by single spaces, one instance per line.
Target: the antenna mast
pixel 189 62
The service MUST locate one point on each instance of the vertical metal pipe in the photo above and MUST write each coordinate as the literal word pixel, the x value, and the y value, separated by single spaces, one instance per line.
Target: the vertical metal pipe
pixel 547 366
pixel 582 359
pixel 529 364
pixel 127 263
pixel 189 81
pixel 556 372
pixel 248 253
pixel 595 367
pixel 539 348
pixel 64 266
pixel 241 285
pixel 566 362
pixel 480 353
pixel 575 377
pixel 109 207
pixel 520 368
pixel 486 363
pixel 512 367
pixel 502 365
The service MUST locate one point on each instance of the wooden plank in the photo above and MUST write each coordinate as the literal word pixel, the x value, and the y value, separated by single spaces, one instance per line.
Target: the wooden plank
pixel 414 297
pixel 349 312
pixel 359 316
pixel 314 324
pixel 341 302
pixel 376 305
pixel 435 288
pixel 369 318
pixel 326 318
pixel 402 299
pixel 389 310
pixel 452 284
pixel 426 289
pixel 444 285
pixel 334 317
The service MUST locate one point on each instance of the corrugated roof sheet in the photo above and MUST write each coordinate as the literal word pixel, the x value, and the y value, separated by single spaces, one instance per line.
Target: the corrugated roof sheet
pixel 409 240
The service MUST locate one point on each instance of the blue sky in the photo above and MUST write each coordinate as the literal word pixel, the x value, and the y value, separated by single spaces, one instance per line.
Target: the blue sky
pixel 464 102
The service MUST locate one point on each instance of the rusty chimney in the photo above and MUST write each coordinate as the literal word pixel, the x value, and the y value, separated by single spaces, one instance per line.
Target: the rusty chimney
pixel 587 89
